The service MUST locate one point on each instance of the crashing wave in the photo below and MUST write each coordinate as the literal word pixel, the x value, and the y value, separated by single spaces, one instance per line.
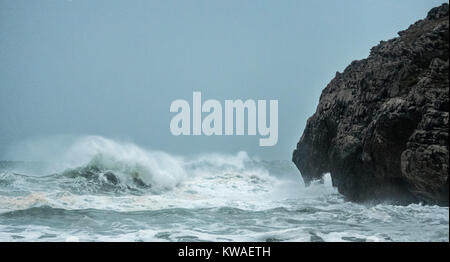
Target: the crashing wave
pixel 97 165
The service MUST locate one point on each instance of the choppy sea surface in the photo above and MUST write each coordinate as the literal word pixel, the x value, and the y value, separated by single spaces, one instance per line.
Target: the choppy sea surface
pixel 97 189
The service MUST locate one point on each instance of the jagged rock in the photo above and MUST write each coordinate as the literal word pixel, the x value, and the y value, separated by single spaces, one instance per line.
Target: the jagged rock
pixel 381 127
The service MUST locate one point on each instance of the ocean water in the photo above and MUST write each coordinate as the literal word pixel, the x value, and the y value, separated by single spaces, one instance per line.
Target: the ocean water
pixel 97 189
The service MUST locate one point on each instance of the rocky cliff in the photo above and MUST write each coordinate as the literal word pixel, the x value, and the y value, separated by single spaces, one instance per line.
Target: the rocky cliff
pixel 381 127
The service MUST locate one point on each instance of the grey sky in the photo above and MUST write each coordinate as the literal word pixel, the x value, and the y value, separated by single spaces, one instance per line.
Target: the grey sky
pixel 112 68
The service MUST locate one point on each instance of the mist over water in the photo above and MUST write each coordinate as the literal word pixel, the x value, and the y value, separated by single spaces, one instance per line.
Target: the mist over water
pixel 95 189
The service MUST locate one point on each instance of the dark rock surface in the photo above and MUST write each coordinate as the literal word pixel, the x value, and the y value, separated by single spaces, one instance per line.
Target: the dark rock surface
pixel 381 127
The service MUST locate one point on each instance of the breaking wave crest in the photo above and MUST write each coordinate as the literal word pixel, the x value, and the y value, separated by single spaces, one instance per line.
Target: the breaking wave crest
pixel 93 170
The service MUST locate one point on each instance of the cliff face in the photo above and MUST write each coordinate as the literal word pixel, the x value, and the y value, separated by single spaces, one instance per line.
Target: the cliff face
pixel 381 127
